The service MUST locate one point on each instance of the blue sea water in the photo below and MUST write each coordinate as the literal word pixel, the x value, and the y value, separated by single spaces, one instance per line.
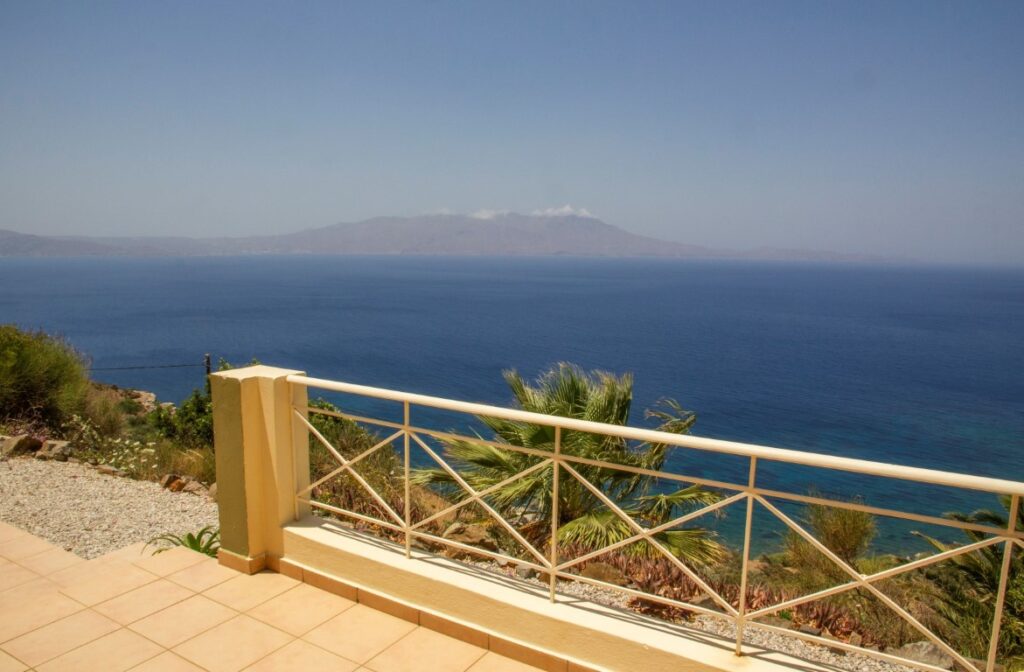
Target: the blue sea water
pixel 917 365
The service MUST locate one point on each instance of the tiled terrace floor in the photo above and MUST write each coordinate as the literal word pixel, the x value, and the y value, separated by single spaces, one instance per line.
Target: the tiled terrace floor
pixel 180 611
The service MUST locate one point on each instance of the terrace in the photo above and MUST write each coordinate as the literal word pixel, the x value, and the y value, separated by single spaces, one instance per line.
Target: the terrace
pixel 341 549
pixel 389 536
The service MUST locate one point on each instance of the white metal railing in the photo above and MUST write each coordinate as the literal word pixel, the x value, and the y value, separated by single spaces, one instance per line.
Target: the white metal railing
pixel 749 492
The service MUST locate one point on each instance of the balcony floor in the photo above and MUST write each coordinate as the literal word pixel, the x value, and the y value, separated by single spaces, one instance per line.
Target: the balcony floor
pixel 181 611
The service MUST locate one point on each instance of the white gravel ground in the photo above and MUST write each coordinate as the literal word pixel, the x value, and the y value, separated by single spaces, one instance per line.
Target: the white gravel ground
pixel 89 513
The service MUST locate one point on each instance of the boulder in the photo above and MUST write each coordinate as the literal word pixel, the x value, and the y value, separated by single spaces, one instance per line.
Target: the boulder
pixel 20 445
pixel 924 652
pixel 810 630
pixel 212 492
pixel 471 535
pixel 602 571
pixel 109 470
pixel 54 450
pixel 856 639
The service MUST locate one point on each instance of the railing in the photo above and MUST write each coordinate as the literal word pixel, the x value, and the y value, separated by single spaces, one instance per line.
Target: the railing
pixel 565 464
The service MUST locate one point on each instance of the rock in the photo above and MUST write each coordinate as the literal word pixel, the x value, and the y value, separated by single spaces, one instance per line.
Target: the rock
pixel 168 479
pixel 524 572
pixel 54 450
pixel 856 639
pixel 602 571
pixel 146 399
pixel 471 535
pixel 195 488
pixel 810 630
pixel 924 652
pixel 212 492
pixel 20 445
pixel 109 470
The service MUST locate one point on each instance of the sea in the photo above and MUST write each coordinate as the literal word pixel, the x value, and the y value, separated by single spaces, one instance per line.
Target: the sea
pixel 912 365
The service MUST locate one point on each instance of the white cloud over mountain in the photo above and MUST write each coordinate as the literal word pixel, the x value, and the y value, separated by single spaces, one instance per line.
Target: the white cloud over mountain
pixel 563 211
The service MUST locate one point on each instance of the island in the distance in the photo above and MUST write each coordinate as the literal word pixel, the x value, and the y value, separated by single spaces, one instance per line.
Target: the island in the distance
pixel 504 234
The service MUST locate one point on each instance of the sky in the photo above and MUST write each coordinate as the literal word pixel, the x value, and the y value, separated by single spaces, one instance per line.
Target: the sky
pixel 890 128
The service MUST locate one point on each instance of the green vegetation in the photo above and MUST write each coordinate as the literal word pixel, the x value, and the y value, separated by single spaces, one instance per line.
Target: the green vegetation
pixel 967 589
pixel 586 523
pixel 45 390
pixel 205 541
pixel 44 381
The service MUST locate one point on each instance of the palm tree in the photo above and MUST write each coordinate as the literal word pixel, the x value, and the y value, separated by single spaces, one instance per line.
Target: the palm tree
pixel 969 584
pixel 584 521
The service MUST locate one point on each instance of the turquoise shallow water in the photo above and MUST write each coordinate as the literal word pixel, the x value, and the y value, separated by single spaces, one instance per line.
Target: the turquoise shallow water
pixel 918 366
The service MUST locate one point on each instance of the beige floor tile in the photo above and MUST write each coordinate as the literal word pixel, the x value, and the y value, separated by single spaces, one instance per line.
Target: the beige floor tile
pixel 8 531
pixel 424 650
pixel 13 574
pixel 9 664
pixel 59 637
pixel 300 656
pixel 166 662
pixel 201 576
pixel 143 601
pixel 299 610
pixel 51 561
pixel 232 645
pixel 183 620
pixel 492 662
pixel 23 546
pixel 116 652
pixel 91 583
pixel 136 551
pixel 32 605
pixel 170 561
pixel 246 591
pixel 359 633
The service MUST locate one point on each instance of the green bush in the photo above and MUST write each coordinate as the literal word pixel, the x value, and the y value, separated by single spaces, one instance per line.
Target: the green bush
pixel 42 378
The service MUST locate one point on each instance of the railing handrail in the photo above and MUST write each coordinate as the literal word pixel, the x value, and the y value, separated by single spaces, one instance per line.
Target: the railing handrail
pixel 809 459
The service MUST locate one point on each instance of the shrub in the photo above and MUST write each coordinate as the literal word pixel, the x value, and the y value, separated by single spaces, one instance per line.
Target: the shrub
pixel 205 541
pixel 42 377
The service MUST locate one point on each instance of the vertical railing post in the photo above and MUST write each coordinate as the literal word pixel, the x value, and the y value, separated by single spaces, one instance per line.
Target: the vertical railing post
pixel 261 459
pixel 300 448
pixel 997 617
pixel 408 487
pixel 742 607
pixel 552 576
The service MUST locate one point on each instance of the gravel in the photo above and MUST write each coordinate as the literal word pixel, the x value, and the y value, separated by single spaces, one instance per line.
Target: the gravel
pixel 89 513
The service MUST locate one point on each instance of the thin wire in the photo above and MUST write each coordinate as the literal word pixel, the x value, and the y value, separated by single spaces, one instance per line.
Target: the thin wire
pixel 161 366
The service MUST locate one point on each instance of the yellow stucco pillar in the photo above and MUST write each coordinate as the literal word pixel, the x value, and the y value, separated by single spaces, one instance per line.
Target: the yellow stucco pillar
pixel 262 455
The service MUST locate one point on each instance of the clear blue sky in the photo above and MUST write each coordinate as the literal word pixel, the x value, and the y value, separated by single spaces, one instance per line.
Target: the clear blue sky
pixel 889 127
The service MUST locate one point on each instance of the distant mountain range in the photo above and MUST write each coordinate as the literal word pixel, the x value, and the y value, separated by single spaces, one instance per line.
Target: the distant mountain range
pixel 508 234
